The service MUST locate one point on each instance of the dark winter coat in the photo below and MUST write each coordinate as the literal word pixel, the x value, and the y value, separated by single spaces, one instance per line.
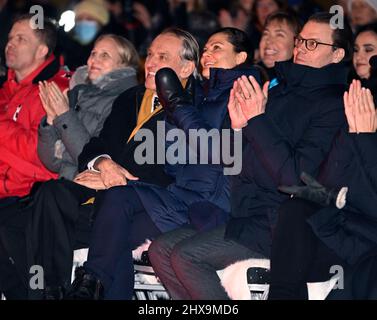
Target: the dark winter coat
pixel 113 139
pixel 303 114
pixel 168 207
pixel 352 231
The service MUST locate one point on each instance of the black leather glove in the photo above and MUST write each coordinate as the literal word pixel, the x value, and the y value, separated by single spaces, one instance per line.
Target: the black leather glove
pixel 170 91
pixel 316 192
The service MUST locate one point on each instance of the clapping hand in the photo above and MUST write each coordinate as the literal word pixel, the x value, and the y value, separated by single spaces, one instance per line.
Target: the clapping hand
pixel 54 101
pixel 360 109
pixel 46 103
pixel 247 100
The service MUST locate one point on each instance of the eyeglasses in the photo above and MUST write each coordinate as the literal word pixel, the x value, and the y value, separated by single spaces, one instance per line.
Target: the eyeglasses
pixel 311 44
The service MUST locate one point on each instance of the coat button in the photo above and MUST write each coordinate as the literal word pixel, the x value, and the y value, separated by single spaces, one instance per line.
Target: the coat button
pixel 64 126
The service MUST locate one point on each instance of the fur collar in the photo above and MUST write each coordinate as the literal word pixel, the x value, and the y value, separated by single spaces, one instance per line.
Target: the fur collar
pixel 81 77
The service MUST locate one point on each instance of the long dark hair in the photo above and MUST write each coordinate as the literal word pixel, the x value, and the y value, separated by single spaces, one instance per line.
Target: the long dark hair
pixel 240 41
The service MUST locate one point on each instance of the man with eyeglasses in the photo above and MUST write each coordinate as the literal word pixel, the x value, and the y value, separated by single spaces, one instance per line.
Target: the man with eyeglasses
pixel 318 45
pixel 287 129
pixel 310 44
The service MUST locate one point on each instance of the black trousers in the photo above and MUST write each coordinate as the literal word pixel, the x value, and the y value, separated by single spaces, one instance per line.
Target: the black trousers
pixel 297 255
pixel 60 224
pixel 360 280
pixel 13 257
pixel 121 226
pixel 45 230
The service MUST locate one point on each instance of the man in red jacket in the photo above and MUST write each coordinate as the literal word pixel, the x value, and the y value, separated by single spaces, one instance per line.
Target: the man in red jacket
pixel 30 59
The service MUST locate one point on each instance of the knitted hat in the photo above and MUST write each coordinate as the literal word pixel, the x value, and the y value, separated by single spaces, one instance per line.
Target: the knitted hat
pixel 93 8
pixel 371 3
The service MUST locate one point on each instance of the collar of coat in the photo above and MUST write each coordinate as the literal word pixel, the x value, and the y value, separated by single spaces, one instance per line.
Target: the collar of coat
pixel 44 72
pixel 224 78
pixel 110 79
pixel 293 74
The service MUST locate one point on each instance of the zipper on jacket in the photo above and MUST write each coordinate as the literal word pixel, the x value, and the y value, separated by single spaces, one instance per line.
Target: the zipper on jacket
pixel 16 113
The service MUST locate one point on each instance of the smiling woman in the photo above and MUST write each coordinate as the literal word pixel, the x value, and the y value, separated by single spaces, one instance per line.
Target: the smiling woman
pixel 365 48
pixel 110 52
pixel 277 40
pixel 73 118
pixel 226 48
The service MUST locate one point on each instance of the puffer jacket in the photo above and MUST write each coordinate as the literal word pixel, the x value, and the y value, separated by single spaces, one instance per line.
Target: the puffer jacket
pixel 90 104
pixel 168 207
pixel 20 114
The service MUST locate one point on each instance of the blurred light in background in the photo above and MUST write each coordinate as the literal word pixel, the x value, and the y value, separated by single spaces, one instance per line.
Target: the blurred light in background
pixel 67 19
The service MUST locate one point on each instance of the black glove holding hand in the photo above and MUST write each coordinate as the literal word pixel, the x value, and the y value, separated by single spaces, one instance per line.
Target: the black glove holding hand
pixel 316 192
pixel 170 91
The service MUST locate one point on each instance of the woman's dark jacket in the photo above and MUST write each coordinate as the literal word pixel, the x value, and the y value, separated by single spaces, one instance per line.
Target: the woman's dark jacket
pixel 168 207
pixel 352 162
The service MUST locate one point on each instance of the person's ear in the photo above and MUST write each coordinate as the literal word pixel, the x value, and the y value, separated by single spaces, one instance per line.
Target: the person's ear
pixel 339 54
pixel 42 51
pixel 241 57
pixel 187 69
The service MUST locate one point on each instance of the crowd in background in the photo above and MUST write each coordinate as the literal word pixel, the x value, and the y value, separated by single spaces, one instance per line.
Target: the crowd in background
pixel 74 101
pixel 141 20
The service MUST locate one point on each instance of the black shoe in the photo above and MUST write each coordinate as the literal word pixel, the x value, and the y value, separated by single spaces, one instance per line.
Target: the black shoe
pixel 85 287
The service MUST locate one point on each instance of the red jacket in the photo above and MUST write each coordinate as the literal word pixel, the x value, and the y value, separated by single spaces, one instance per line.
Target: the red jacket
pixel 21 111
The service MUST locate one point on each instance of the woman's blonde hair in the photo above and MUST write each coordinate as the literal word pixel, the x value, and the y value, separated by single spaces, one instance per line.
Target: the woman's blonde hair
pixel 126 50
